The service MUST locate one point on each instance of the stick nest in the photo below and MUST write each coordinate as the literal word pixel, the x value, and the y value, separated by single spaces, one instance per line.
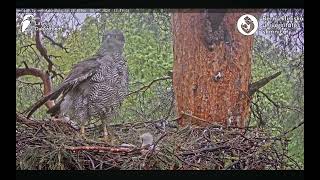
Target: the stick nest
pixel 49 144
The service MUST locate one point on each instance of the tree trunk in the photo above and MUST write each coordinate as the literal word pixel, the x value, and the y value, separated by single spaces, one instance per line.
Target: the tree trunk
pixel 210 85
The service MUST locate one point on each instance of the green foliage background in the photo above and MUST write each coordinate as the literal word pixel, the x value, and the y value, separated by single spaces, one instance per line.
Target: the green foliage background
pixel 286 93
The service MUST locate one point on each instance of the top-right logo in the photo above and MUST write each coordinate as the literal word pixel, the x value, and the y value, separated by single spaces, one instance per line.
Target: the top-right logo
pixel 247 24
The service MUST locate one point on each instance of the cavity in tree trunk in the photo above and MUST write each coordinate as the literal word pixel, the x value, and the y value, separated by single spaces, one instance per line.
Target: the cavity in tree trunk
pixel 211 81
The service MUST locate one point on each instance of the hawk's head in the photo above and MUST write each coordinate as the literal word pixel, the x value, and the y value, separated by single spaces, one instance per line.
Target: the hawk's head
pixel 112 41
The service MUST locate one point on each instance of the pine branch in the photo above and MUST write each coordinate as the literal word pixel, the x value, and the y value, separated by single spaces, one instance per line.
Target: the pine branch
pixel 254 87
pixel 55 43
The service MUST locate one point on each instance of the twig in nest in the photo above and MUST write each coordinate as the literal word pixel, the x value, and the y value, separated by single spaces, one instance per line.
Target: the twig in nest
pixel 156 143
pixel 31 123
pixel 92 162
pixel 99 148
pixel 144 122
pixel 204 150
pixel 202 120
pixel 231 165
pixel 176 119
pixel 187 163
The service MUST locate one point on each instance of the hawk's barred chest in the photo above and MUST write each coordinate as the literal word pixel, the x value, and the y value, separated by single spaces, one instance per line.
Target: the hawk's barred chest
pixel 109 84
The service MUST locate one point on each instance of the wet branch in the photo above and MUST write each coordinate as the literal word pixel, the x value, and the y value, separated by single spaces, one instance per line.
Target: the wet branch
pixel 44 76
pixel 144 88
pixel 39 45
pixel 254 87
pixel 55 43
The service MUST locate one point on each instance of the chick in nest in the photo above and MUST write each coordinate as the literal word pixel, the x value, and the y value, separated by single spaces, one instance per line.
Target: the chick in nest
pixel 147 140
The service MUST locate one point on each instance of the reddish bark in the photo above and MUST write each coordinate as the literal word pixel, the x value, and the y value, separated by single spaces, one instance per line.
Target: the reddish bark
pixel 197 93
pixel 100 149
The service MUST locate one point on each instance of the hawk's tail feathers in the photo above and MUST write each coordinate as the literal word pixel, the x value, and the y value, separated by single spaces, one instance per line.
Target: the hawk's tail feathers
pixel 55 109
pixel 43 100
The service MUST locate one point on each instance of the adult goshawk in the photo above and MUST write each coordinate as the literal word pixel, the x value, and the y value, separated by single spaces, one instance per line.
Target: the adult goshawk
pixel 95 87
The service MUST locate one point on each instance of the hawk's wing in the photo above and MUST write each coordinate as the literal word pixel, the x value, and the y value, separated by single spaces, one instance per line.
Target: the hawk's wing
pixel 82 70
pixel 79 73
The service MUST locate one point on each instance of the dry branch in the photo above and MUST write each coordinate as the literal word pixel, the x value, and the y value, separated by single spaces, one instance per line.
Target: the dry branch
pixel 144 88
pixel 201 120
pixel 26 121
pixel 204 150
pixel 293 128
pixel 43 51
pixel 254 87
pixel 44 76
pixel 55 43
